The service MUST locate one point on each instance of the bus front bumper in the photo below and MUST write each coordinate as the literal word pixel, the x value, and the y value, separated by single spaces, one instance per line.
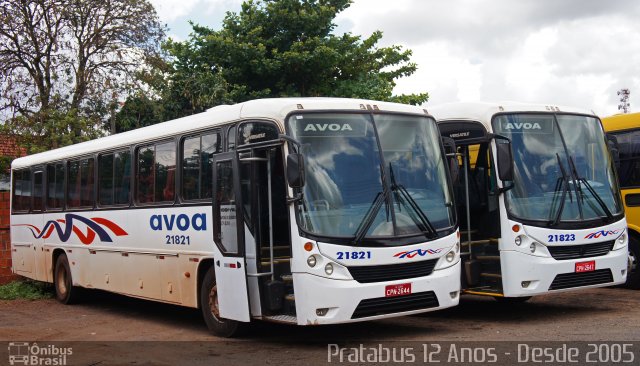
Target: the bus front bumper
pixel 344 301
pixel 528 275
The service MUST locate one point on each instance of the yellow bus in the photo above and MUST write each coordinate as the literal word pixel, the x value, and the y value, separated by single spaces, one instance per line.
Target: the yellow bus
pixel 624 131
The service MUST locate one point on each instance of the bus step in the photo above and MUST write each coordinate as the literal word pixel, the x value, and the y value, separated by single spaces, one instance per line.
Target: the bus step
pixel 491 275
pixel 287 278
pixel 479 242
pixel 276 261
pixel 483 291
pixel 487 258
pixel 278 247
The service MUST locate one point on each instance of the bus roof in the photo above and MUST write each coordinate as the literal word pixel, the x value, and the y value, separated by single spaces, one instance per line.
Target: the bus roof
pixel 483 112
pixel 619 122
pixel 275 109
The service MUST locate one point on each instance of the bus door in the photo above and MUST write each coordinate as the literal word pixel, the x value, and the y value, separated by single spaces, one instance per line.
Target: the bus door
pixel 268 245
pixel 228 231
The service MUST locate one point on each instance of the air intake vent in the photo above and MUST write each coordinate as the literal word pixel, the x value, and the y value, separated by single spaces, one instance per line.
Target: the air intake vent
pixel 398 304
pixel 392 272
pixel 581 251
pixel 571 280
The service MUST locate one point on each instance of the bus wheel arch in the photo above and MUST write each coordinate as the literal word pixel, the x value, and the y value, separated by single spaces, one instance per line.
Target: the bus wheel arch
pixel 65 291
pixel 203 267
pixel 208 305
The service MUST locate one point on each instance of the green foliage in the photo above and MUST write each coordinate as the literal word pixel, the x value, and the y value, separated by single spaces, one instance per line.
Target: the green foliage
pixel 277 48
pixel 50 129
pixel 5 164
pixel 26 290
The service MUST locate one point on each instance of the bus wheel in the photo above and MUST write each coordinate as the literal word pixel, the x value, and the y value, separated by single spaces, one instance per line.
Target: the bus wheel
pixel 512 300
pixel 66 293
pixel 633 275
pixel 211 311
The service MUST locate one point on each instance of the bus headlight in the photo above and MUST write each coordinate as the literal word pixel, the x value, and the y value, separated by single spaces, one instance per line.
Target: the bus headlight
pixel 532 247
pixel 518 240
pixel 451 256
pixel 621 242
pixel 311 261
pixel 328 269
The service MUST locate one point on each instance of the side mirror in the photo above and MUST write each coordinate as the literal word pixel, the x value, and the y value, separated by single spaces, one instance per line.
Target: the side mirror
pixel 451 157
pixel 612 143
pixel 295 170
pixel 505 160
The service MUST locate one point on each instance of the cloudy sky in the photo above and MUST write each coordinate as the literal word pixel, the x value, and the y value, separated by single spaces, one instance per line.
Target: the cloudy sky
pixel 562 52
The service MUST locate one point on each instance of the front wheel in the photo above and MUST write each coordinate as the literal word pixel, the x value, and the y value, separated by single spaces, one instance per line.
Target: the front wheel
pixel 66 293
pixel 633 275
pixel 211 311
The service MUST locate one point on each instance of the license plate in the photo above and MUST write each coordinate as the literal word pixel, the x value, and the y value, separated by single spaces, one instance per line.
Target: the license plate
pixel 586 266
pixel 397 290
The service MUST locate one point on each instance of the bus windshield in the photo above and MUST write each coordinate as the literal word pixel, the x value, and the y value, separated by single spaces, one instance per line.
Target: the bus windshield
pixel 372 176
pixel 563 171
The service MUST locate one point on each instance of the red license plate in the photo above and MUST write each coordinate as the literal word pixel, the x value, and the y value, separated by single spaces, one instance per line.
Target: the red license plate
pixel 397 290
pixel 586 266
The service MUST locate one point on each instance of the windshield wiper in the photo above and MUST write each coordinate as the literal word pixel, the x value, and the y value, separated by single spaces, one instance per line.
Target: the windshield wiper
pixel 590 189
pixel 369 217
pixel 565 189
pixel 421 220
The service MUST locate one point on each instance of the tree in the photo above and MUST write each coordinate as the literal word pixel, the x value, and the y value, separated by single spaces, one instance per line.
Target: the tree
pixel 71 60
pixel 274 48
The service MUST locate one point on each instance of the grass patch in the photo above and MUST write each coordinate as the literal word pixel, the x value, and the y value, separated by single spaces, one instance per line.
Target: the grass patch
pixel 26 290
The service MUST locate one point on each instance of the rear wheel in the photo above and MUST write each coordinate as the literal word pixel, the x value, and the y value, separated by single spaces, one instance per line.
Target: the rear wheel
pixel 211 310
pixel 66 293
pixel 633 275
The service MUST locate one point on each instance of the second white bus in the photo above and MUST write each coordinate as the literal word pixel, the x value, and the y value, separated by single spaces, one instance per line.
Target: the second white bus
pixel 538 199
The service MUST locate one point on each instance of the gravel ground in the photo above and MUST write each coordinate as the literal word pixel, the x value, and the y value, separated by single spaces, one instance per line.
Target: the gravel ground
pixel 113 329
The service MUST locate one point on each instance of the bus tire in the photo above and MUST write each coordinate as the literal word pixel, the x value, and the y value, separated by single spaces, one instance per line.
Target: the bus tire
pixel 210 312
pixel 633 277
pixel 65 291
pixel 512 300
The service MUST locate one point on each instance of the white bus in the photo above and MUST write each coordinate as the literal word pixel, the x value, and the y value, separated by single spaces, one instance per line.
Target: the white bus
pixel 303 211
pixel 550 217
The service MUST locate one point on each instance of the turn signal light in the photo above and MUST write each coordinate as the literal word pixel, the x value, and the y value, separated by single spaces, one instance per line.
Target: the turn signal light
pixel 515 228
pixel 308 246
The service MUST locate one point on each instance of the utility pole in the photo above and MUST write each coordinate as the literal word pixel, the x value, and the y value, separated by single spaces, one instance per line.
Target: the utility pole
pixel 624 100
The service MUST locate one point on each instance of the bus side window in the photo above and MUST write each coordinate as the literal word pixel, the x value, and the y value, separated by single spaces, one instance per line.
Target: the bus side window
pixel 21 190
pixel 629 150
pixel 156 173
pixel 80 186
pixel 197 165
pixel 38 186
pixel 226 225
pixel 231 138
pixel 114 178
pixel 55 186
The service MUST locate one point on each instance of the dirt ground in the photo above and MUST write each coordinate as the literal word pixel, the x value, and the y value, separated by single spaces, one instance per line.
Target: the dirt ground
pixel 113 329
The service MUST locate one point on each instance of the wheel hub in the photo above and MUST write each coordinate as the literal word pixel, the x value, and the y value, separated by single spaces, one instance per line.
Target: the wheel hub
pixel 214 306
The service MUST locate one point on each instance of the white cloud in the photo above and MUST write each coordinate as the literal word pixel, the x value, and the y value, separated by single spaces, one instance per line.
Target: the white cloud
pixel 169 10
pixel 571 52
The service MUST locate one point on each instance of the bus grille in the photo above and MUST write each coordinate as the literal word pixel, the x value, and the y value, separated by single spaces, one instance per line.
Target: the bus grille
pixel 570 280
pixel 581 251
pixel 392 272
pixel 398 304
